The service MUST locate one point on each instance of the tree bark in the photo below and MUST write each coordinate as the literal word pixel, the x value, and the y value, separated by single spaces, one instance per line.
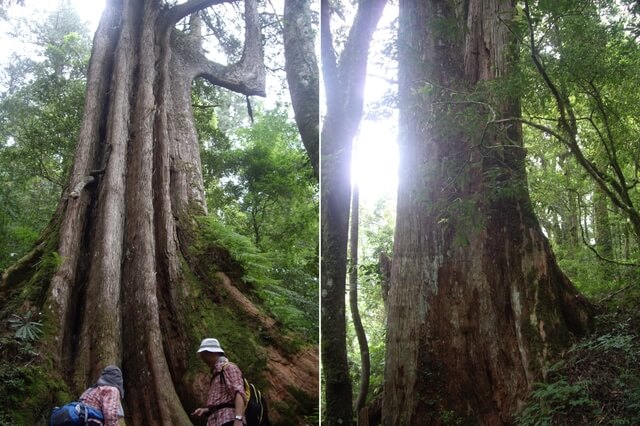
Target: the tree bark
pixel 365 364
pixel 477 305
pixel 303 78
pixel 344 83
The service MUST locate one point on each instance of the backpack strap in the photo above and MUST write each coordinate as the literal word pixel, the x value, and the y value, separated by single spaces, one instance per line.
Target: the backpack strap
pixel 83 412
pixel 220 373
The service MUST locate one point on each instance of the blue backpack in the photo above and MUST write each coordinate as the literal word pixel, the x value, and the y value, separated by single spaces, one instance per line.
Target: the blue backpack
pixel 75 413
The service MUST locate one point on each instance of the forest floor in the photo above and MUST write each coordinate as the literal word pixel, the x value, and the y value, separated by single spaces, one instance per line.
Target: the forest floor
pixel 596 381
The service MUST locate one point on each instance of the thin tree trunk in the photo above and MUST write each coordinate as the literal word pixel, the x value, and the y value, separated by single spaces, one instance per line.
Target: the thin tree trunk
pixel 344 84
pixel 602 226
pixel 626 245
pixel 365 364
pixel 604 240
pixel 384 267
pixel 477 305
pixel 571 220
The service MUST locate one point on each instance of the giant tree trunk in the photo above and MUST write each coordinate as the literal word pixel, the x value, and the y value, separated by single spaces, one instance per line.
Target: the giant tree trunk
pixel 121 294
pixel 344 83
pixel 119 240
pixel 477 305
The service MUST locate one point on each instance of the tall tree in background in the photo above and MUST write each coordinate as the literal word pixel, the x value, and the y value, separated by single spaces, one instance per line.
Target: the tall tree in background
pixel 120 289
pixel 344 85
pixel 477 303
pixel 301 66
pixel 365 367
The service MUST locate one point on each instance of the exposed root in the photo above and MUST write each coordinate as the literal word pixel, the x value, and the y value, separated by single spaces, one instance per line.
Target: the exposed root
pixel 247 307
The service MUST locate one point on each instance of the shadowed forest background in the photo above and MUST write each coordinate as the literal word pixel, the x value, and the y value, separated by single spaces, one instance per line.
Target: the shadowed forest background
pixel 244 262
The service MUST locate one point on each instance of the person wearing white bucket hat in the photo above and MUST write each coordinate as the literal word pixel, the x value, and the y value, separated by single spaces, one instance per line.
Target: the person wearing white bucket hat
pixel 226 399
pixel 210 345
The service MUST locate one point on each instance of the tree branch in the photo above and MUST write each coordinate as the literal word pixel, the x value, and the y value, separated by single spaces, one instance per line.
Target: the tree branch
pixel 560 100
pixel 482 104
pixel 610 146
pixel 344 80
pixel 328 53
pixel 301 67
pixel 353 59
pixel 277 17
pixel 586 164
pixel 206 106
pixel 247 76
pixel 75 193
pixel 179 11
pixel 569 126
pixel 625 288
pixel 599 256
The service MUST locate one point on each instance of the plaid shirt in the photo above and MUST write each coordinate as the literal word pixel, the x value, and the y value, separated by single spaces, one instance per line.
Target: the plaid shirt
pixel 105 399
pixel 224 392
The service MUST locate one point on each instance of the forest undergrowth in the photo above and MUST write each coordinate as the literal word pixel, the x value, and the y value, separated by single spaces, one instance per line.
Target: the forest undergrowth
pixel 597 380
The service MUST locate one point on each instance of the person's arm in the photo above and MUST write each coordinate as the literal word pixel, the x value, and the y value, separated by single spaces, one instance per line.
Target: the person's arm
pixel 235 382
pixel 239 408
pixel 200 412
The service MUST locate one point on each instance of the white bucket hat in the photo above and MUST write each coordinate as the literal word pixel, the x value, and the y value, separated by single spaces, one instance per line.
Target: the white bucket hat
pixel 210 345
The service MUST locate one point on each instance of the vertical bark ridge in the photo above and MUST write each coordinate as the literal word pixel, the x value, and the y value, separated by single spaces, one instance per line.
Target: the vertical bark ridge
pixel 187 187
pixel 171 287
pixel 73 226
pixel 100 340
pixel 153 388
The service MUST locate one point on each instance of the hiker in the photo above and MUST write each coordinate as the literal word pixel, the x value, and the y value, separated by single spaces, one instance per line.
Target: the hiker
pixel 106 395
pixel 226 398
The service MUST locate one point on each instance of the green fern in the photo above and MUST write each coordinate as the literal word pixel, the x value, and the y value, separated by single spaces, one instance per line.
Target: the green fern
pixel 26 328
pixel 549 400
pixel 257 266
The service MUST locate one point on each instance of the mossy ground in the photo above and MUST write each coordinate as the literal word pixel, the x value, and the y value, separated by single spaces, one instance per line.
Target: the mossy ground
pixel 29 392
pixel 29 387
